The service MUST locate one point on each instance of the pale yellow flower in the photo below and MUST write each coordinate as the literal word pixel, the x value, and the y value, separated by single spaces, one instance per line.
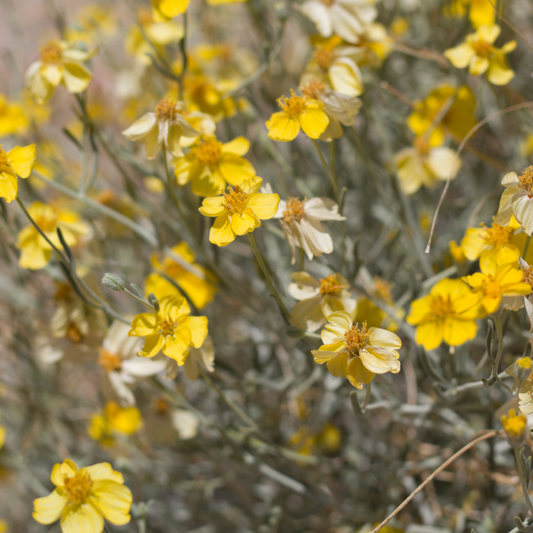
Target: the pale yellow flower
pixel 19 161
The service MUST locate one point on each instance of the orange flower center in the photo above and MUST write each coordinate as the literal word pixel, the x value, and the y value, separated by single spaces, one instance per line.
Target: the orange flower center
pixel 63 292
pixel 235 200
pixel 166 109
pixel 78 487
pixel 109 361
pixel 161 406
pixel 525 181
pixel 313 89
pixel 167 326
pixel 498 235
pixel 356 339
pixel 51 52
pixel 208 152
pixel 173 269
pixel 482 48
pixel 527 275
pixel 107 197
pixel 442 306
pixel 324 58
pixel 74 333
pixel 330 286
pixel 422 146
pixel 294 210
pixel 490 287
pixel 293 106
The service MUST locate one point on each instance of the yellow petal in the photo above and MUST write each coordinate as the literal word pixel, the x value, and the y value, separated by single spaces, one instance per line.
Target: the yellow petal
pixel 177 346
pixel 337 365
pixel 103 471
pixel 198 328
pixel 143 324
pixel 264 206
pixel 8 186
pixel 242 224
pixel 314 121
pixel 173 306
pixel 82 518
pixel 460 56
pixel 113 500
pixel 170 8
pixel 22 159
pixel 283 127
pixel 212 207
pixel 49 509
pixel 457 332
pixel 221 233
pixel 76 77
pixel 62 470
pixel 235 169
pixel 238 146
pixel 430 334
pixel 357 373
pixel 152 345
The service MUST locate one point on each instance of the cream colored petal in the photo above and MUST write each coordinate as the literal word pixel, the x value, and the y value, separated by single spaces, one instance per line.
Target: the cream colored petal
pixel 379 360
pixel 140 128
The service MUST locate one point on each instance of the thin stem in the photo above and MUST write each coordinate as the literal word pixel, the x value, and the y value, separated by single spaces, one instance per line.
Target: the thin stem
pixel 137 299
pixel 367 395
pixel 499 333
pixel 275 293
pixel 332 180
pixel 522 477
pixel 184 59
pixel 526 246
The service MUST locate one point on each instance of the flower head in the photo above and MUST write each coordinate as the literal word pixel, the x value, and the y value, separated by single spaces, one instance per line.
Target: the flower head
pixel 19 161
pixel 83 498
pixel 238 211
pixel 481 12
pixel 515 426
pixel 357 352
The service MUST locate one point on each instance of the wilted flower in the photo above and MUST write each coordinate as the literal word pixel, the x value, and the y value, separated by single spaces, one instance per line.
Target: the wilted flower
pixel 19 161
pixel 355 352
pixel 83 498
pixel 301 221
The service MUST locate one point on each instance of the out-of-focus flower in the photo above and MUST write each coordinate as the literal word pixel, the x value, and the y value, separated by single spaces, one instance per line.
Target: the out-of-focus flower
pixel 373 46
pixel 60 63
pixel 297 112
pixel 515 426
pixel 458 119
pixel 202 93
pixel 160 32
pixel 83 498
pixel 2 436
pixel 517 200
pixel 19 161
pixel 168 9
pixel 496 281
pixel 35 250
pixel 118 357
pixel 70 319
pixel 457 252
pixel 93 23
pixel 340 108
pixel 210 164
pixel 164 127
pixel 301 221
pixel 331 64
pixel 357 353
pixel 239 211
pixel 325 441
pixel 318 299
pixel 424 165
pixel 346 18
pixel 185 423
pixel 480 56
pixel 170 329
pixel 114 420
pixel 446 314
pixel 399 27
pixel 481 12
pixel 526 147
pixel 13 120
pixel 197 282
pixel 517 302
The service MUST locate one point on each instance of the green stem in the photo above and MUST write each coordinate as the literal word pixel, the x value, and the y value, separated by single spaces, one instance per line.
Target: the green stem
pixel 332 180
pixel 499 333
pixel 262 264
pixel 183 50
pixel 526 246
pixel 367 395
pixel 522 477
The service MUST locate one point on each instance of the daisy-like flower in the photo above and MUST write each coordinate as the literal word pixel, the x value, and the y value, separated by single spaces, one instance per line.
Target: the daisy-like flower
pixel 496 281
pixel 83 498
pixel 424 165
pixel 446 314
pixel 332 64
pixel 318 299
pixel 239 211
pixel 517 200
pixel 19 161
pixel 164 127
pixel 35 250
pixel 480 56
pixel 113 421
pixel 170 329
pixel 355 352
pixel 340 108
pixel 118 357
pixel 210 164
pixel 297 112
pixel 515 426
pixel 346 18
pixel 301 221
pixel 60 63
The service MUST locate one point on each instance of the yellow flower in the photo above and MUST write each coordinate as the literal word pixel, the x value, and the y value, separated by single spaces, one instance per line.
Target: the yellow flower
pixel 93 22
pixel 168 9
pixel 19 161
pixel 84 498
pixel 170 329
pixel 514 425
pixel 495 281
pixel 60 63
pixel 357 353
pixel 35 251
pixel 210 164
pixel 297 112
pixel 457 121
pixel 114 419
pixel 12 118
pixel 198 283
pixel 208 96
pixel 239 211
pixel 456 252
pixel 2 436
pixel 481 11
pixel 526 147
pixel 424 165
pixel 480 56
pixel 439 317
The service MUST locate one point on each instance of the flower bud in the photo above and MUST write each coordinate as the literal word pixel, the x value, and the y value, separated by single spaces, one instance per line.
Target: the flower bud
pixel 113 282
pixel 515 427
pixel 154 302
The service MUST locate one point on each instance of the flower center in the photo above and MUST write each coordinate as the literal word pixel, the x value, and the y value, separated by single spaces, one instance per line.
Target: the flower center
pixel 293 106
pixel 313 89
pixel 109 361
pixel 356 339
pixel 498 235
pixel 482 48
pixel 74 333
pixel 330 286
pixel 63 292
pixel 525 181
pixel 166 109
pixel 167 326
pixel 161 406
pixel 515 425
pixel 78 487
pixel 441 307
pixel 527 275
pixel 51 52
pixel 294 210
pixel 47 219
pixel 235 200
pixel 324 58
pixel 422 146
pixel 4 161
pixel 490 288
pixel 383 288
pixel 208 152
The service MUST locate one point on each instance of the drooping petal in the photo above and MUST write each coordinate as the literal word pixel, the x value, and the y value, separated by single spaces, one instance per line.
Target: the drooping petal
pixel 212 207
pixel 141 127
pixel 8 186
pixel 48 509
pixel 198 328
pixel 221 233
pixel 313 120
pixel 358 374
pixel 177 346
pixel 76 77
pixel 22 159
